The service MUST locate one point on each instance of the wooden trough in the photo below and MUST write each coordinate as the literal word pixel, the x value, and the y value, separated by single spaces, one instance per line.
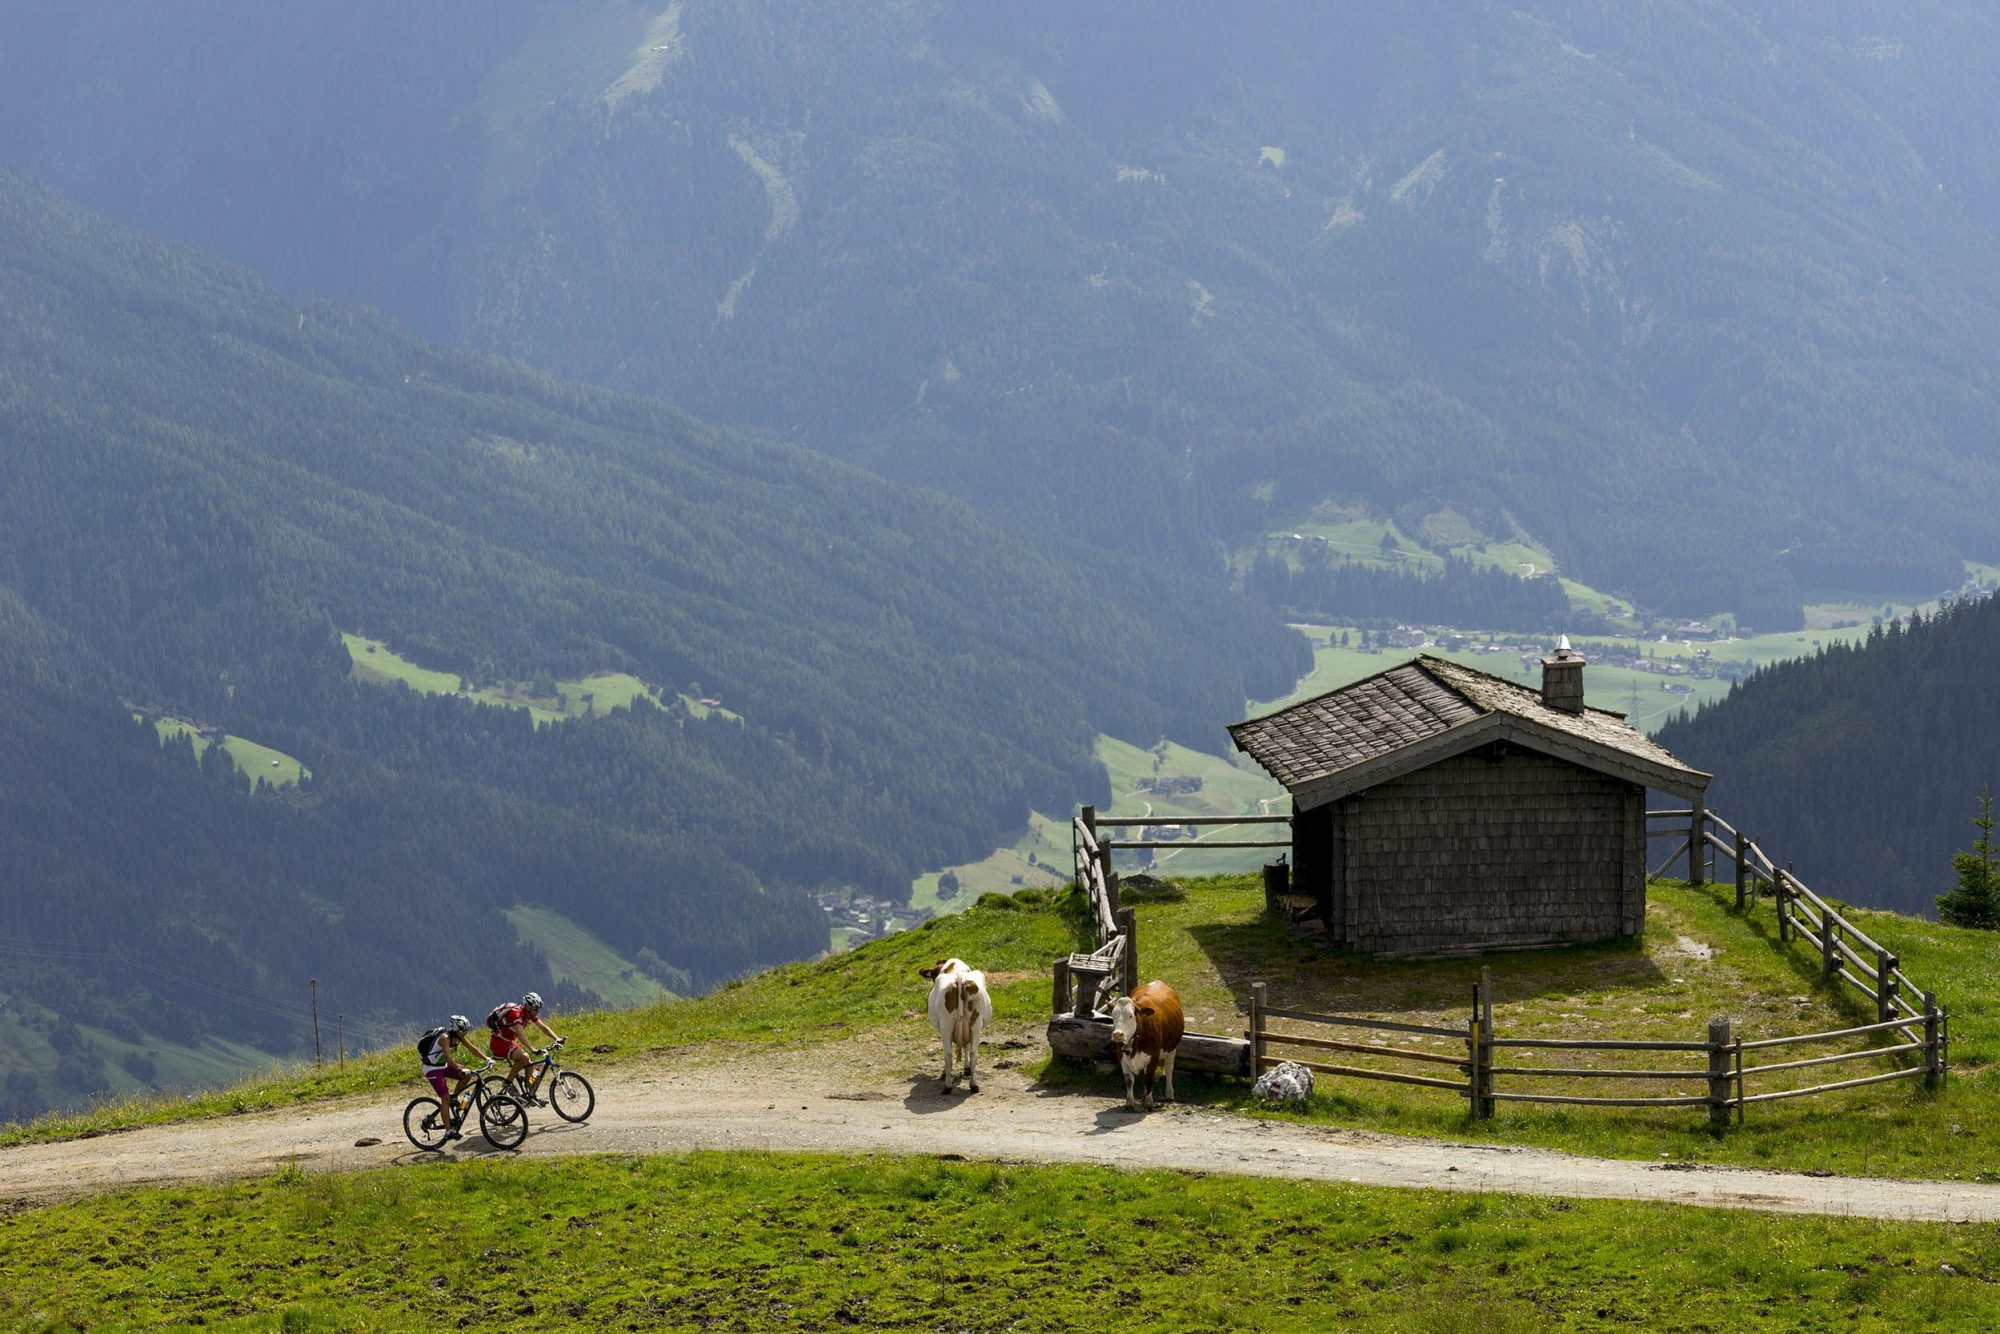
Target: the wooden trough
pixel 1089 1039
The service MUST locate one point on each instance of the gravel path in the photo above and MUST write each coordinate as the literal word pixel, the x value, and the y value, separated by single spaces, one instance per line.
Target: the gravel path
pixel 796 1101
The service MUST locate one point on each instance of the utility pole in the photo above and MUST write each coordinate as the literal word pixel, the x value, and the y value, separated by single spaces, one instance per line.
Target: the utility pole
pixel 314 984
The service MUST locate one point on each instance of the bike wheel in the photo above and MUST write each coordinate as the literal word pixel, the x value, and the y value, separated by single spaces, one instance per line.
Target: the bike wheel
pixel 503 1119
pixel 424 1122
pixel 571 1097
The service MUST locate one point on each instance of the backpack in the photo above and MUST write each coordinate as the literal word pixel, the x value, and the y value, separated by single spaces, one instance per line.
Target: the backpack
pixel 427 1043
pixel 495 1020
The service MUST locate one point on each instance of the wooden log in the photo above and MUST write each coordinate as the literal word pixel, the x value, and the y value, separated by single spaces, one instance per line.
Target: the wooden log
pixel 1568 1073
pixel 1864 1053
pixel 1366 1048
pixel 1062 986
pixel 1600 1044
pixel 1792 1039
pixel 1205 1053
pixel 1358 1021
pixel 1138 821
pixel 1204 843
pixel 1388 1076
pixel 1697 1100
pixel 1781 1094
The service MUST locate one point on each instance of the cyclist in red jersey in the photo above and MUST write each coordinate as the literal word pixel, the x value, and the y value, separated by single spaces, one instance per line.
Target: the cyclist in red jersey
pixel 507 1022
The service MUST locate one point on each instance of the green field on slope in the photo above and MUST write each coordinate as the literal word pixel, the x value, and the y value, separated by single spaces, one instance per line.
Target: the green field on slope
pixel 375 663
pixel 260 763
pixel 815 1242
pixel 1698 957
pixel 579 957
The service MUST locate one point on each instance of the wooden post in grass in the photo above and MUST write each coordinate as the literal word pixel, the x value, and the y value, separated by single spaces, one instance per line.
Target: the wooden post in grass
pixel 1697 843
pixel 1256 1029
pixel 1933 1058
pixel 1062 985
pixel 1885 985
pixel 314 984
pixel 1128 927
pixel 1781 889
pixel 1485 1042
pixel 1742 842
pixel 1829 956
pixel 1719 1047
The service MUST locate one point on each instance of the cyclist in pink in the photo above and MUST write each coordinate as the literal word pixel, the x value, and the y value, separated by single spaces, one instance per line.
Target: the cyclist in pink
pixel 507 1022
pixel 434 1050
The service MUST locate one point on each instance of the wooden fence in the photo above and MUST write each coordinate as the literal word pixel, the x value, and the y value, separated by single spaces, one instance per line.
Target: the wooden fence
pixel 1115 962
pixel 1719 1082
pixel 1845 951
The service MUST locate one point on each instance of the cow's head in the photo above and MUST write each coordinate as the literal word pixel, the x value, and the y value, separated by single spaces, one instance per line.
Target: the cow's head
pixel 941 966
pixel 1125 1023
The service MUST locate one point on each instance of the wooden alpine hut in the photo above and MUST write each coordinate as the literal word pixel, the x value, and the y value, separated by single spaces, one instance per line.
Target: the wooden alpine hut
pixel 1437 808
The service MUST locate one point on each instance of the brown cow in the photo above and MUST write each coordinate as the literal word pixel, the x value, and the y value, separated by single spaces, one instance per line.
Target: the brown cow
pixel 1146 1029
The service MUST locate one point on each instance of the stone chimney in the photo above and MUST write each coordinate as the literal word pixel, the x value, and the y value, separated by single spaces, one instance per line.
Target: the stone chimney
pixel 1562 679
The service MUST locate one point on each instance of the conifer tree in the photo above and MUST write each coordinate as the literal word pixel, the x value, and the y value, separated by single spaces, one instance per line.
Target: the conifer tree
pixel 1975 901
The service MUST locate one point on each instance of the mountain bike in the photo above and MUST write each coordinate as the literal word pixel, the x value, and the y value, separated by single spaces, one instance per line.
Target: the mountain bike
pixel 503 1116
pixel 570 1094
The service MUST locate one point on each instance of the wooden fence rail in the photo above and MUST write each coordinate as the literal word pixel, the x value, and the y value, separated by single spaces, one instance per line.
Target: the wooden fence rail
pixel 1721 1077
pixel 1846 953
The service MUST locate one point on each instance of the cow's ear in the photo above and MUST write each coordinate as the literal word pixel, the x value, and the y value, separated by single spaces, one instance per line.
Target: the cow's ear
pixel 927 972
pixel 1145 1009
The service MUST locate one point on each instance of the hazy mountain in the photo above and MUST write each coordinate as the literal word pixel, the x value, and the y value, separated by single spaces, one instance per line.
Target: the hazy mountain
pixel 1861 765
pixel 202 486
pixel 1698 293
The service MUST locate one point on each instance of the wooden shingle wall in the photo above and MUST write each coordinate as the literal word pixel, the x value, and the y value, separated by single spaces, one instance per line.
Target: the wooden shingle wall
pixel 1480 849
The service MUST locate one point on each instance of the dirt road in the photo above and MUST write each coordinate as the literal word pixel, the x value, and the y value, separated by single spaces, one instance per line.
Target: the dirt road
pixel 796 1101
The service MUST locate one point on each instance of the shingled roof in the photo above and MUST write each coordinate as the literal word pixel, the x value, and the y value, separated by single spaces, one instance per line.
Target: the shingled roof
pixel 1428 709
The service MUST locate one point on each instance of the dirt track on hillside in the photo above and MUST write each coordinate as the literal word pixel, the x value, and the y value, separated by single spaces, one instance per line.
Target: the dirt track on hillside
pixel 859 1097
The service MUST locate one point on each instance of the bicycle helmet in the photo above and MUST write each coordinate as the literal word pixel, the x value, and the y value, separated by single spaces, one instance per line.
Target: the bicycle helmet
pixel 532 1001
pixel 460 1024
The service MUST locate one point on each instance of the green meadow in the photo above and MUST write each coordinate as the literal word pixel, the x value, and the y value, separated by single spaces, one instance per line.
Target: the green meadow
pixel 820 1241
pixel 261 763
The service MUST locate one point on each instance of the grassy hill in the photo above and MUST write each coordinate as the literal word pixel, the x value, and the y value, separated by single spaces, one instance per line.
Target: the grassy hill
pixel 1697 958
pixel 752 1241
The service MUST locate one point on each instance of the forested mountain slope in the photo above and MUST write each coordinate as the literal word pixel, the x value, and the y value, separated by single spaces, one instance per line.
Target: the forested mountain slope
pixel 1695 292
pixel 202 486
pixel 1862 765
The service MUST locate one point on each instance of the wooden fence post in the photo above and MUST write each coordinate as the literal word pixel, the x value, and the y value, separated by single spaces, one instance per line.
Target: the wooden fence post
pixel 1256 1029
pixel 1741 877
pixel 1781 890
pixel 1885 985
pixel 1829 957
pixel 1485 1043
pixel 1718 1072
pixel 1933 1064
pixel 1128 927
pixel 1475 1096
pixel 1062 985
pixel 1697 843
pixel 1739 1079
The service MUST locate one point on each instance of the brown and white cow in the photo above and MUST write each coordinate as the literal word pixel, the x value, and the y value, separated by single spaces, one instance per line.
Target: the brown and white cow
pixel 960 1010
pixel 1146 1029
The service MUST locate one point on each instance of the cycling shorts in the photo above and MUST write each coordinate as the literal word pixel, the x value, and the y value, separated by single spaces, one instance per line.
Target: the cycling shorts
pixel 502 1048
pixel 441 1079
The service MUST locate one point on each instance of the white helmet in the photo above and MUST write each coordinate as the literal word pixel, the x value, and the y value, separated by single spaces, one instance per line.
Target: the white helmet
pixel 532 1001
pixel 460 1024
